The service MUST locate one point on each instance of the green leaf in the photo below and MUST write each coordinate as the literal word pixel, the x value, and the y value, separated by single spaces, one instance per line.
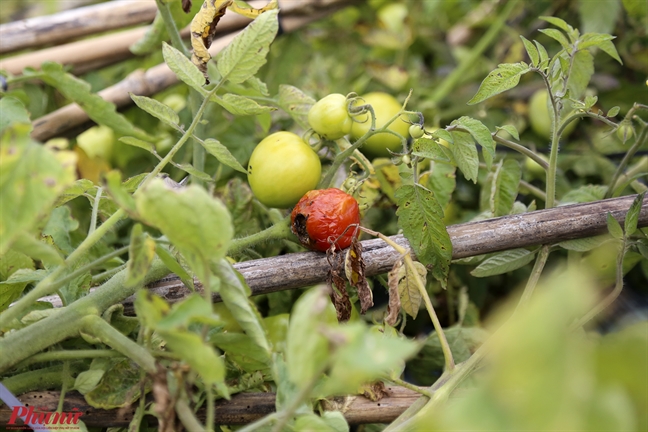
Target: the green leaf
pixel 632 217
pixel 132 141
pixel 172 264
pixel 157 109
pixel 98 109
pixel 613 111
pixel 141 252
pixel 195 222
pixel 190 169
pixel 430 149
pixel 365 357
pixel 186 71
pixel 442 181
pixel 242 350
pixel 150 309
pixel 120 386
pixel 503 262
pixel 534 56
pixel 243 57
pixel 465 154
pixel 235 294
pixel 257 85
pixel 13 111
pixel 421 218
pixel 296 103
pixel 584 244
pixel 307 349
pixel 614 227
pixel 37 249
pixel 590 101
pixel 193 308
pixel 542 52
pixel 31 179
pixel 581 71
pixel 311 422
pixel 12 261
pixel 241 105
pixel 74 190
pixel 561 24
pixel 220 152
pixel 58 228
pixel 558 36
pixel 505 77
pixel 506 182
pixel 201 357
pixel 511 130
pixel 609 48
pixel 116 190
pixel 593 40
pixel 586 193
pixel 86 381
pixel 479 132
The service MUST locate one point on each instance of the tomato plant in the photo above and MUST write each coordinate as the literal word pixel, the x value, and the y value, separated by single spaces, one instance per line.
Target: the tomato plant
pixel 385 107
pixel 329 117
pixel 282 168
pixel 323 218
pixel 540 116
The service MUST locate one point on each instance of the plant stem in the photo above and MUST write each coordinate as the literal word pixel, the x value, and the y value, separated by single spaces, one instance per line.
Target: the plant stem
pixel 618 287
pixel 97 327
pixel 211 409
pixel 172 29
pixel 534 190
pixel 521 149
pixel 639 141
pixel 540 262
pixel 423 391
pixel 40 379
pixel 278 231
pixel 66 355
pixel 95 211
pixel 67 322
pixel 98 278
pixel 187 416
pixel 287 413
pixel 450 82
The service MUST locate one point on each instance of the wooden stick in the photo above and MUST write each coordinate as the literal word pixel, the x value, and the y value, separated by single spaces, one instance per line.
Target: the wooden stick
pixel 75 23
pixel 90 54
pixel 243 408
pixel 297 270
pixel 160 77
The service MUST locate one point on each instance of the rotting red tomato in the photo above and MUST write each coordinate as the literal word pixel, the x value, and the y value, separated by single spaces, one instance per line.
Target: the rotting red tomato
pixel 322 217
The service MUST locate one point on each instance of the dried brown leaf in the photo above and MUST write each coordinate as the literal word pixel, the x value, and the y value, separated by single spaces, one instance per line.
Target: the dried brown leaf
pixel 394 305
pixel 410 296
pixel 354 267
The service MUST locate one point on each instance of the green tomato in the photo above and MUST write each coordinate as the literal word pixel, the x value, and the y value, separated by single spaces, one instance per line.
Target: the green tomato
pixel 97 142
pixel 540 116
pixel 416 131
pixel 624 132
pixel 329 117
pixel 385 107
pixel 282 169
pixel 176 102
pixel 534 168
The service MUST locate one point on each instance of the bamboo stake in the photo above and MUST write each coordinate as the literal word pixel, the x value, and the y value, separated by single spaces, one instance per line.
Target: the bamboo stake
pixel 157 78
pixel 297 270
pixel 75 23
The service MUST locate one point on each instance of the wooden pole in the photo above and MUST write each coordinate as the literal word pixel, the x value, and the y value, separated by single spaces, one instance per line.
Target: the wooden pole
pixel 75 23
pixel 297 270
pixel 243 408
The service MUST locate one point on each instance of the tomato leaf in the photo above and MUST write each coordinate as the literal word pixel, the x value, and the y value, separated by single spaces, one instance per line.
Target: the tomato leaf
pixel 157 109
pixel 581 71
pixel 172 264
pixel 478 131
pixel 241 105
pixel 531 50
pixel 503 262
pixel 394 305
pixel 505 77
pixel 243 57
pixel 632 217
pixel 420 216
pixel 354 268
pixel 184 69
pixel 442 181
pixel 408 290
pixel 585 244
pixel 296 103
pixel 13 111
pixel 141 252
pixel 465 154
pixel 506 182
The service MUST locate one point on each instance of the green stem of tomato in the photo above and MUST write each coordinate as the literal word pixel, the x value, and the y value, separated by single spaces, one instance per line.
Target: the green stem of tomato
pixel 278 231
pixel 172 29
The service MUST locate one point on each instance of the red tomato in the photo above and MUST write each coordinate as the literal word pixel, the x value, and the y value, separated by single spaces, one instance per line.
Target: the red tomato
pixel 322 216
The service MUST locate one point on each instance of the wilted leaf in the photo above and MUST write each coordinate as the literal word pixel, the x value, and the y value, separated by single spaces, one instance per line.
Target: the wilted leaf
pixel 408 290
pixel 119 386
pixel 354 267
pixel 394 305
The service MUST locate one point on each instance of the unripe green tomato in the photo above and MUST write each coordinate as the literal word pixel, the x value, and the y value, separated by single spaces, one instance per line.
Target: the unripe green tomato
pixel 416 131
pixel 282 169
pixel 624 132
pixel 176 102
pixel 97 142
pixel 534 167
pixel 540 116
pixel 329 117
pixel 385 106
pixel 441 141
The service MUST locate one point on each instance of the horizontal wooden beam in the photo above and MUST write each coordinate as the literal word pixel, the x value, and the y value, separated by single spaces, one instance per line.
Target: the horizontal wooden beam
pixel 243 408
